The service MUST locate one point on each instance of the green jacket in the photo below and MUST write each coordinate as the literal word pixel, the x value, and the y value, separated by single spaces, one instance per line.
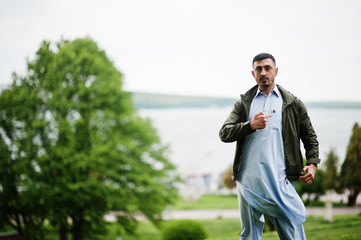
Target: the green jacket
pixel 296 125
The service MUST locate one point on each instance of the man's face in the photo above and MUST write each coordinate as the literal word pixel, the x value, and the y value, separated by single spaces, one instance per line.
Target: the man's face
pixel 264 72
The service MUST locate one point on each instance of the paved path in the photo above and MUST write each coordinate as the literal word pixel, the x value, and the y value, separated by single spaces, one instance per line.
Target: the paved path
pixel 234 213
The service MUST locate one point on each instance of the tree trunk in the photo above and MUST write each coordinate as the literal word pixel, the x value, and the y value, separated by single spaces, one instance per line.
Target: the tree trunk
pixel 352 198
pixel 77 229
pixel 63 232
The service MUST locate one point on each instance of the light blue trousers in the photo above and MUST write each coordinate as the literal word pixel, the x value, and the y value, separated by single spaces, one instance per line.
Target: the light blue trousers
pixel 252 223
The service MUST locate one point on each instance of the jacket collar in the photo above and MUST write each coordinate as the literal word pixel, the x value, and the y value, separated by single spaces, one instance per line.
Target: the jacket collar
pixel 287 97
pixel 249 95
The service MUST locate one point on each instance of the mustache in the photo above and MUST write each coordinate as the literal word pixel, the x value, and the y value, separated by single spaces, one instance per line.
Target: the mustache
pixel 264 78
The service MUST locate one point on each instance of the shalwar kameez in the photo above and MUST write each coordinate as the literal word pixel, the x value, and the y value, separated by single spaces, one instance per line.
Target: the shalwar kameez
pixel 262 184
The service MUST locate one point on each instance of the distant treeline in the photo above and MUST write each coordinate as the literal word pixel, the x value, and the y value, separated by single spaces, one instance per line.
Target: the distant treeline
pixel 333 104
pixel 153 100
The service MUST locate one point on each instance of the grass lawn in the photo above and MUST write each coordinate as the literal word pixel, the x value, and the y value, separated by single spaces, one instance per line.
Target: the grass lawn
pixel 208 202
pixel 211 201
pixel 344 227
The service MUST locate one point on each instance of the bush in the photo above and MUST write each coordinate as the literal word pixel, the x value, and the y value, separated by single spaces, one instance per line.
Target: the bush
pixel 184 230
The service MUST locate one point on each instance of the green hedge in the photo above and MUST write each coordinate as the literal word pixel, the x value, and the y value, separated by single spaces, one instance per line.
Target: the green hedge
pixel 184 230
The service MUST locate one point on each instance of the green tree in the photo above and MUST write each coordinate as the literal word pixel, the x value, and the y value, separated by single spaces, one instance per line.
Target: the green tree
pixel 351 167
pixel 77 144
pixel 331 177
pixel 21 196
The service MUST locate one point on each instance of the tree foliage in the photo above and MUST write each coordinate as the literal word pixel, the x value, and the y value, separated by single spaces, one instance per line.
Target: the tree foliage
pixel 331 179
pixel 72 147
pixel 21 196
pixel 351 167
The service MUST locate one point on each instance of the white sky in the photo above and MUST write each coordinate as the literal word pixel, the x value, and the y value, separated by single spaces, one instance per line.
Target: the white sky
pixel 199 47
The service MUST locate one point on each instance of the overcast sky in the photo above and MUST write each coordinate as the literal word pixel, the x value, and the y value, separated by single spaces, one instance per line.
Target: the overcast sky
pixel 199 47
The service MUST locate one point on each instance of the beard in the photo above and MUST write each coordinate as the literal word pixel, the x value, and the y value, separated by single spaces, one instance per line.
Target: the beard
pixel 265 82
pixel 265 85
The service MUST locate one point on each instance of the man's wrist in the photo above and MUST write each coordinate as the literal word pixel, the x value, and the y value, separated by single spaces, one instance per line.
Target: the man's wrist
pixel 251 125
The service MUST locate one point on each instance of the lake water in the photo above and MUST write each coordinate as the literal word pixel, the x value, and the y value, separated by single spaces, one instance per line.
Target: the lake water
pixel 192 135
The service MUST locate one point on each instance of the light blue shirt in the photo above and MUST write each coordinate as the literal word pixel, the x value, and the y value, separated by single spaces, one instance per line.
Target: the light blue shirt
pixel 262 175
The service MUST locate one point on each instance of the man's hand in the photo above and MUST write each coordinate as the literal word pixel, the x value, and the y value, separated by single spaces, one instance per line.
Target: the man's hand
pixel 259 121
pixel 310 171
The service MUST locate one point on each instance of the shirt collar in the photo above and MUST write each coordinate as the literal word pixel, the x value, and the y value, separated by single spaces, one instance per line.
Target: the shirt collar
pixel 276 91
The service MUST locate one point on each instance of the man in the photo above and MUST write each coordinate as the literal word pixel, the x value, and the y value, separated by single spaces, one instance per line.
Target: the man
pixel 268 123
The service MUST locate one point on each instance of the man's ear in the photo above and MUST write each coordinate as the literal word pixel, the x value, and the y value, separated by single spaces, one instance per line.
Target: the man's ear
pixel 276 72
pixel 253 73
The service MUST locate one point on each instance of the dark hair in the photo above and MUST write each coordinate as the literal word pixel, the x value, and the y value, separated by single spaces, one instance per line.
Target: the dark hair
pixel 262 56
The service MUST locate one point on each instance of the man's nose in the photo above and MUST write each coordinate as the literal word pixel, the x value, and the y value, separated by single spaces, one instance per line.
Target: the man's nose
pixel 263 72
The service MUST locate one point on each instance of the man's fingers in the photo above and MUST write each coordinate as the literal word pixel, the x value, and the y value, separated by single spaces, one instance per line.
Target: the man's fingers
pixel 307 179
pixel 261 115
pixel 259 121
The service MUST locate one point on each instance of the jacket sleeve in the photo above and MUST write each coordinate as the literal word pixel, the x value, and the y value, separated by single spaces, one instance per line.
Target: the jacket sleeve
pixel 236 125
pixel 308 136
